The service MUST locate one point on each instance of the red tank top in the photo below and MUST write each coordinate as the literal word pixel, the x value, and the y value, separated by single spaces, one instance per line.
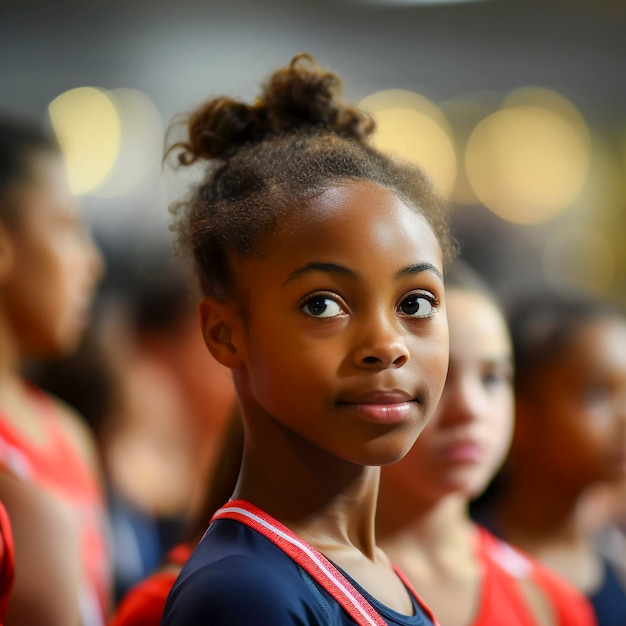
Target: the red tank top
pixel 7 561
pixel 58 467
pixel 502 602
pixel 143 605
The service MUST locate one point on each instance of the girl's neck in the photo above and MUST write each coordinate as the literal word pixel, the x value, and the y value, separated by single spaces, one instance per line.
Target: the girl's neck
pixel 533 511
pixel 328 502
pixel 433 541
pixel 543 518
pixel 433 524
pixel 9 354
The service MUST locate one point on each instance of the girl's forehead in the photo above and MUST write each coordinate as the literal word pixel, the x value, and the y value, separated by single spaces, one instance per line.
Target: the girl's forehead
pixel 358 205
pixel 476 324
pixel 358 226
pixel 343 194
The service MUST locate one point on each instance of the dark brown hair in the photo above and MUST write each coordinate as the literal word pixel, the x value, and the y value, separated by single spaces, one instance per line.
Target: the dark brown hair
pixel 268 159
pixel 544 324
pixel 20 140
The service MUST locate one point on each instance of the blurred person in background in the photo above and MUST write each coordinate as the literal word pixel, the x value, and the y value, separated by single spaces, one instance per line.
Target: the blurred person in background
pixel 49 473
pixel 570 439
pixel 158 403
pixel 467 575
pixel 143 605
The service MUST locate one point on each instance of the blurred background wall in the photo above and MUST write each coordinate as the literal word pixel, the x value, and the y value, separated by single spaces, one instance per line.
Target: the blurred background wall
pixel 516 107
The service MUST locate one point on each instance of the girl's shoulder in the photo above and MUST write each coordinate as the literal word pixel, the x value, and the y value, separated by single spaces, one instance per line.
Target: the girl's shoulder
pixel 37 516
pixel 237 576
pixel 609 598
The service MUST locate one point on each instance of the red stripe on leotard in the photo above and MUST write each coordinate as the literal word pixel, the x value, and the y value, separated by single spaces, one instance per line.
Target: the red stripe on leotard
pixel 311 560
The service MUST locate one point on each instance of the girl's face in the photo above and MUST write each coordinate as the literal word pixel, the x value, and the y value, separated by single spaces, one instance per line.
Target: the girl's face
pixel 577 407
pixel 468 436
pixel 54 264
pixel 344 339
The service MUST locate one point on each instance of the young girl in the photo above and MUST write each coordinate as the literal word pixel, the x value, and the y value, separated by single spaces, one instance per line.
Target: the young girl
pixel 49 268
pixel 321 263
pixel 465 574
pixel 570 357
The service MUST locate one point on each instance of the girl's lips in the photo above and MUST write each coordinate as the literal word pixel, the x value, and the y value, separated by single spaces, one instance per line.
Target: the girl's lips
pixel 382 407
pixel 465 451
pixel 384 413
pixel 380 396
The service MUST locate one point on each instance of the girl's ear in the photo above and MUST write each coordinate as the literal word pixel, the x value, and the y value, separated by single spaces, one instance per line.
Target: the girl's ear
pixel 221 324
pixel 6 254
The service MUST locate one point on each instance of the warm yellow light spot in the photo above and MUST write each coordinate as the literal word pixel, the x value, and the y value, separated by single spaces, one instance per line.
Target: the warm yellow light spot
pixel 578 257
pixel 86 122
pixel 526 164
pixel 464 114
pixel 414 129
pixel 550 100
pixel 141 144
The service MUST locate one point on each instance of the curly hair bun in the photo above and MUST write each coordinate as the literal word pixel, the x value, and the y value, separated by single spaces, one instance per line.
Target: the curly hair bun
pixel 303 95
pixel 296 98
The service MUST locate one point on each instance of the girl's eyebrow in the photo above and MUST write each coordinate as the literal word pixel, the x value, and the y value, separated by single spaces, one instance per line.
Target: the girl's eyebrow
pixel 418 268
pixel 336 268
pixel 316 266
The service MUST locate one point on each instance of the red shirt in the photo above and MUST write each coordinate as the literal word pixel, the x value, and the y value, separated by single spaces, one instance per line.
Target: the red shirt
pixel 143 605
pixel 502 602
pixel 58 468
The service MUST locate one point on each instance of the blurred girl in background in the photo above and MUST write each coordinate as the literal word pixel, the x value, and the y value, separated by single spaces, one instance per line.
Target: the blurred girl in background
pixel 570 436
pixel 157 401
pixel 143 605
pixel 49 475
pixel 468 577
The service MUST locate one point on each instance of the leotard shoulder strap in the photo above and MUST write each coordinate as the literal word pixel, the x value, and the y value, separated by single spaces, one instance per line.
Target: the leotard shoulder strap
pixel 311 560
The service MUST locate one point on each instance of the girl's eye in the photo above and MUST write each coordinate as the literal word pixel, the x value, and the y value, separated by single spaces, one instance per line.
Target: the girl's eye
pixel 497 375
pixel 494 379
pixel 322 306
pixel 491 379
pixel 417 305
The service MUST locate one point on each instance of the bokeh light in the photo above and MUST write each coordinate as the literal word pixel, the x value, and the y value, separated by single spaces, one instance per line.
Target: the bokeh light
pixel 529 162
pixel 579 257
pixel 414 128
pixel 141 144
pixel 463 114
pixel 549 100
pixel 88 127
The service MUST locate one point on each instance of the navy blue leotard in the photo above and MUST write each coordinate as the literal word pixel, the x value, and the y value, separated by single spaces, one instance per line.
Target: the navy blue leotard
pixel 237 577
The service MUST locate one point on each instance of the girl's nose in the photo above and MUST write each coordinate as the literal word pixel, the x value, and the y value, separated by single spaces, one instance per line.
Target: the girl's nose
pixel 384 361
pixel 381 346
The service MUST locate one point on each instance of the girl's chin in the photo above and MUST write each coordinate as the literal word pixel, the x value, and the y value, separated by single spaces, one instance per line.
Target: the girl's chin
pixel 387 457
pixel 466 486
